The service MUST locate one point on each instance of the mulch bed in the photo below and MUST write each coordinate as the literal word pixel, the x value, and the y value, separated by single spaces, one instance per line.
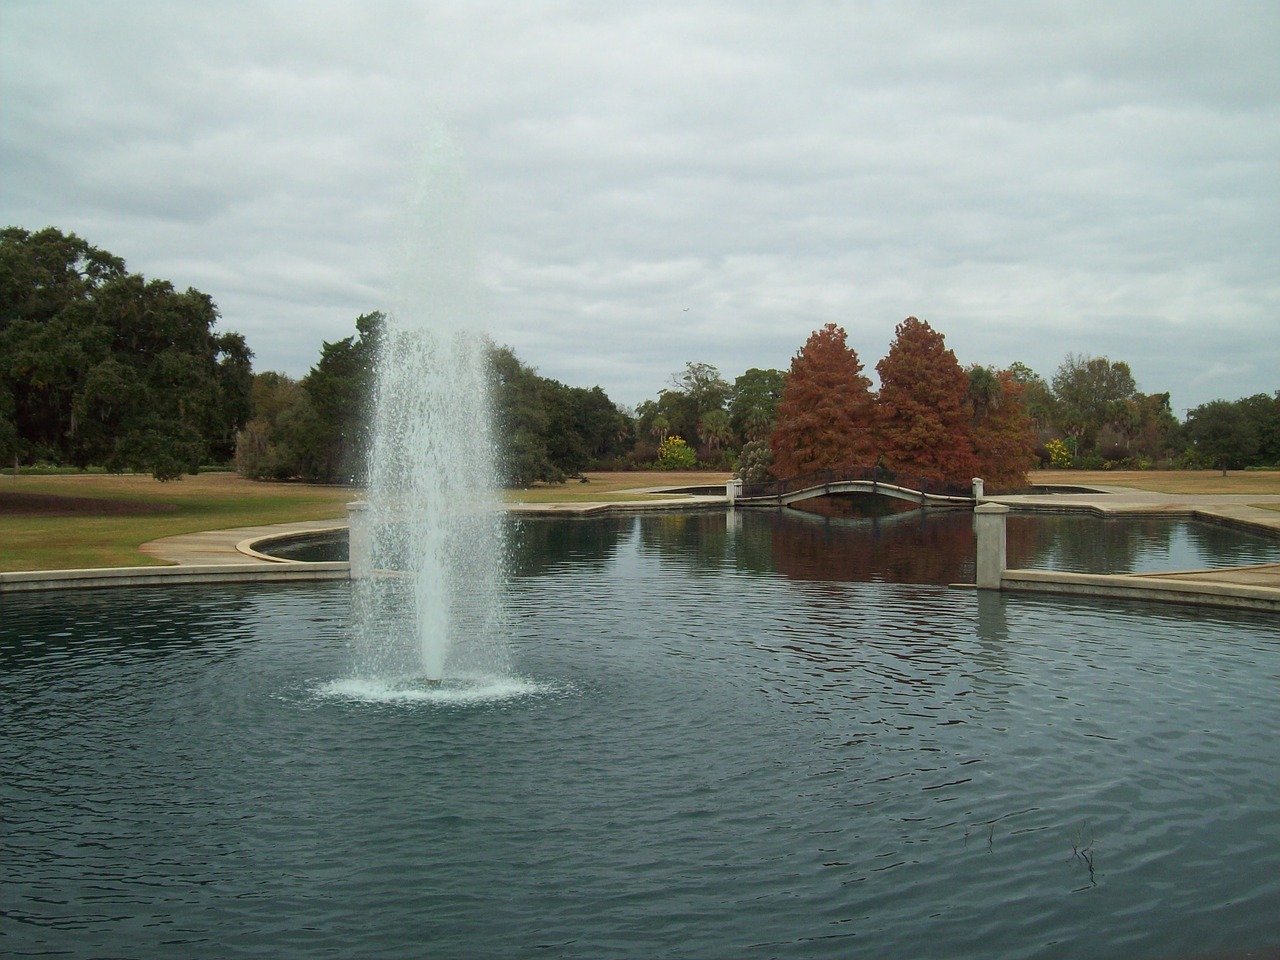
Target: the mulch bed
pixel 52 505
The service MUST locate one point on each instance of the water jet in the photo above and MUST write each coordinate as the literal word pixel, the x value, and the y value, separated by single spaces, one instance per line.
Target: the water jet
pixel 431 517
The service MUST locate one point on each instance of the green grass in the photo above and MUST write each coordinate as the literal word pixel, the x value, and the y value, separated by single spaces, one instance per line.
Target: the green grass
pixel 616 487
pixel 1194 482
pixel 106 539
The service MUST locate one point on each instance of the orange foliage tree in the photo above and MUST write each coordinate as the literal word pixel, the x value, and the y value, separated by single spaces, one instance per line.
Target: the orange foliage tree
pixel 925 421
pixel 826 414
pixel 1003 439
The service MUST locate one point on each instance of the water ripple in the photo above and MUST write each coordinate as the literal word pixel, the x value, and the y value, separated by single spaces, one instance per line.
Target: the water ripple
pixel 692 760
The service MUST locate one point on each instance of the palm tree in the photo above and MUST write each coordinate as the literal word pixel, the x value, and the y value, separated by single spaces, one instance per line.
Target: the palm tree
pixel 716 430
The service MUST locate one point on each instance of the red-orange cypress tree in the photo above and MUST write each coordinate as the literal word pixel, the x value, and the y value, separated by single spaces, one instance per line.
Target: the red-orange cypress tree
pixel 826 414
pixel 1002 435
pixel 925 427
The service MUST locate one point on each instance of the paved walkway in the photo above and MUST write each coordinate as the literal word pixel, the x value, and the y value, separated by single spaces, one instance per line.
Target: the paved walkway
pixel 230 546
pixel 1256 587
pixel 1235 509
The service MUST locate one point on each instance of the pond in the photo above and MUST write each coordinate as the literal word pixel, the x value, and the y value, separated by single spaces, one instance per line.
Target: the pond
pixel 724 737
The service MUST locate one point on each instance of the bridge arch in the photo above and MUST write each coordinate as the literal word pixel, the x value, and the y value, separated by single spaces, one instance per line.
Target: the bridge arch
pixel 874 480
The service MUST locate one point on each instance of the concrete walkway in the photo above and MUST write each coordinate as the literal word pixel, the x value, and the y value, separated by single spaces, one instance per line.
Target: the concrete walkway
pixel 232 546
pixel 1254 587
pixel 1107 501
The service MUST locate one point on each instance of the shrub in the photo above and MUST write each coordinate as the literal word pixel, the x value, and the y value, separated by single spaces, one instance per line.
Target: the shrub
pixel 1059 454
pixel 755 462
pixel 675 454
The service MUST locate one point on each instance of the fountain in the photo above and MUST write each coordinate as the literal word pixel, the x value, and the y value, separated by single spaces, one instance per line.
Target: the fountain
pixel 434 534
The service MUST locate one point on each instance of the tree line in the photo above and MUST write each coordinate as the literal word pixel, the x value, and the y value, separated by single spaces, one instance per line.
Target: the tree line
pixel 316 429
pixel 932 418
pixel 102 367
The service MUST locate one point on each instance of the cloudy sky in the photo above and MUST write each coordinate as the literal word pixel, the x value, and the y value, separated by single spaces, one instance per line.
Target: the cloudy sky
pixel 652 183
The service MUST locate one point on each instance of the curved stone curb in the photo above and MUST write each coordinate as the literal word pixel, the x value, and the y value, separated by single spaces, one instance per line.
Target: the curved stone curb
pixel 253 547
pixel 29 581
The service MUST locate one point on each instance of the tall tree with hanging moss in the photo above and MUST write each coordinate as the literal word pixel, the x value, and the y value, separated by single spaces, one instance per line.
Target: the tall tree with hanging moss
pixel 826 415
pixel 925 425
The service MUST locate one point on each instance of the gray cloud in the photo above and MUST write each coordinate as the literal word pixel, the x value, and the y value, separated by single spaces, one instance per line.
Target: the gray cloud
pixel 656 183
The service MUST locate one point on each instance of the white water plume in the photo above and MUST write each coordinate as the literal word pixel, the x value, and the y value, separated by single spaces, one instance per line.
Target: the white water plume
pixel 434 603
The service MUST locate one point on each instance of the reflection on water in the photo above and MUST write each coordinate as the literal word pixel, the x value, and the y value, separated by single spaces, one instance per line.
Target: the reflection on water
pixel 752 735
pixel 876 539
pixel 1080 544
pixel 915 546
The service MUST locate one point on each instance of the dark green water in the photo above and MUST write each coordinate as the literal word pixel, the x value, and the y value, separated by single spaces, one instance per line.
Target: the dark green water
pixel 746 739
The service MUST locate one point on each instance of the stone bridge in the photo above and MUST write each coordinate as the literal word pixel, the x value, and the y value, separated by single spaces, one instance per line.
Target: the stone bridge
pixel 873 480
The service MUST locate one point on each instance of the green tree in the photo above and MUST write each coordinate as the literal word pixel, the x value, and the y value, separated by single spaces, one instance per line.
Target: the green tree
pixel 234 382
pixel 44 273
pixel 699 388
pixel 669 413
pixel 753 404
pixel 925 423
pixel 1263 412
pixel 716 431
pixel 826 414
pixel 102 366
pixel 334 440
pixel 1220 433
pixel 1148 428
pixel 547 430
pixel 1091 393
pixel 262 449
pixel 605 430
pixel 8 429
pixel 521 421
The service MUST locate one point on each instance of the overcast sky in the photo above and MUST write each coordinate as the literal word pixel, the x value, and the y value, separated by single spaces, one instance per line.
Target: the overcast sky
pixel 653 183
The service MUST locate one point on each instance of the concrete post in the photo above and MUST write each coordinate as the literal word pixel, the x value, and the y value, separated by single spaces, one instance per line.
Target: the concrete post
pixel 988 524
pixel 359 541
pixel 977 489
pixel 733 490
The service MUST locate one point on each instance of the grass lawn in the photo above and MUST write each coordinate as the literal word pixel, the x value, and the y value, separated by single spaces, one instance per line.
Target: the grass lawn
pixel 1196 482
pixel 83 521
pixel 615 487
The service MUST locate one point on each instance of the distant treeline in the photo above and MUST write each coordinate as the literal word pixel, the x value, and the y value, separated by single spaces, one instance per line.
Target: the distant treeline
pixel 100 367
pixel 317 428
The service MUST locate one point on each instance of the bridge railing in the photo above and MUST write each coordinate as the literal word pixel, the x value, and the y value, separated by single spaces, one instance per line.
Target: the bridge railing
pixel 774 489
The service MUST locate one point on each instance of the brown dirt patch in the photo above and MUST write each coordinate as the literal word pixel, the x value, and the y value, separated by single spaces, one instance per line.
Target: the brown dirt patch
pixel 52 505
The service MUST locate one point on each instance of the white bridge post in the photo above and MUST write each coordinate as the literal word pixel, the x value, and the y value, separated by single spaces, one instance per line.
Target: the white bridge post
pixel 733 490
pixel 989 526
